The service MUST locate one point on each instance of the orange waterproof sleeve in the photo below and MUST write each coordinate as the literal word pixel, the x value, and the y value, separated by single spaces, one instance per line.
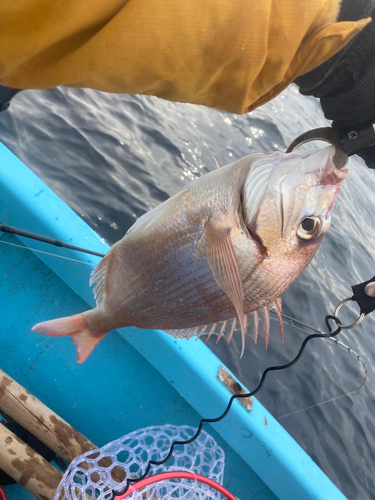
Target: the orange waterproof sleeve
pixel 229 54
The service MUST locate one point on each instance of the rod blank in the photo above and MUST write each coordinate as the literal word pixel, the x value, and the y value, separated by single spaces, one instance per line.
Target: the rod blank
pixel 45 239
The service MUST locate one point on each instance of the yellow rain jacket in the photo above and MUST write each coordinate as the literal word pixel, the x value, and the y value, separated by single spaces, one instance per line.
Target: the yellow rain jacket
pixel 229 54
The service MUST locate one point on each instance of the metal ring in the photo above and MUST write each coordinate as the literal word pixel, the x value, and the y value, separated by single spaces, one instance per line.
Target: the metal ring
pixel 356 323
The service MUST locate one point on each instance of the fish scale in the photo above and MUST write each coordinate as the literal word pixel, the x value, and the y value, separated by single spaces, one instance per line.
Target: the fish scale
pixel 225 246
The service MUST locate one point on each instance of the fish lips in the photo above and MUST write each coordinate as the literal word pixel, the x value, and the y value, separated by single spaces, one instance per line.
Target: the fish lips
pixel 333 168
pixel 335 177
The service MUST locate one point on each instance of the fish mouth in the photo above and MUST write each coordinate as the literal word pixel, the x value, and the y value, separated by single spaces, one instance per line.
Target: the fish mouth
pixel 336 167
pixel 329 163
pixel 335 176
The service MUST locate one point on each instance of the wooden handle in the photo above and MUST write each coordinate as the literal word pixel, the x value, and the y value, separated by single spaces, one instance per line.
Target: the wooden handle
pixel 27 467
pixel 40 420
pixel 46 425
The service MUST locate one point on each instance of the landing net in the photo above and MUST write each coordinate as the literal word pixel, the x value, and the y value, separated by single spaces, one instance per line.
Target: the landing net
pixel 99 473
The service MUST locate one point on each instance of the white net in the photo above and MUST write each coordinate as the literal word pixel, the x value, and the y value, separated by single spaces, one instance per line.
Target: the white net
pixel 98 473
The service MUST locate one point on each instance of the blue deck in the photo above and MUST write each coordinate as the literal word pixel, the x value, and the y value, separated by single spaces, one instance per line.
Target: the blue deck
pixel 134 378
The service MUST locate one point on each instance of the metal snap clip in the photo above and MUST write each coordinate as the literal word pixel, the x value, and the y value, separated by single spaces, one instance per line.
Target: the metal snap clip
pixel 326 134
pixel 356 323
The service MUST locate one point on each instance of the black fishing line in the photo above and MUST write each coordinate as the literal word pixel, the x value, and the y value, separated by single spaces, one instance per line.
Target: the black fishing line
pixel 328 318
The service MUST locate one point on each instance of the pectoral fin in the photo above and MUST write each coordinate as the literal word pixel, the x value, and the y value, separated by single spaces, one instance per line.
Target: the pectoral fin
pixel 223 263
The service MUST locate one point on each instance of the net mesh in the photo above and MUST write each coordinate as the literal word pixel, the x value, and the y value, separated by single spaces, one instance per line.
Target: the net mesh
pixel 98 473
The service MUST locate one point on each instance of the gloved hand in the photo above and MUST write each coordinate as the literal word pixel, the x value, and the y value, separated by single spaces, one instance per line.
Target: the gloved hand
pixel 345 84
pixel 6 95
pixel 368 155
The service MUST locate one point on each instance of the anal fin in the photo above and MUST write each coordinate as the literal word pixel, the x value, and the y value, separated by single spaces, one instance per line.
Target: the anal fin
pixel 265 329
pixel 255 323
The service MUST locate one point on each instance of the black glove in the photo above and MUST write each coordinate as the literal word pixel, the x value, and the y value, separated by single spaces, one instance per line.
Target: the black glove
pixel 345 84
pixel 6 94
pixel 368 155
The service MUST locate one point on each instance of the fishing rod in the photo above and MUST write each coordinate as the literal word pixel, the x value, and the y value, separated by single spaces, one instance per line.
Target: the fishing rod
pixel 45 239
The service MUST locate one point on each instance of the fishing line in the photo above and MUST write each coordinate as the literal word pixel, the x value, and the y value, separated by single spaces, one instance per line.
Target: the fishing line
pixel 317 404
pixel 328 318
pixel 299 325
pixel 306 328
pixel 46 253
pixel 303 327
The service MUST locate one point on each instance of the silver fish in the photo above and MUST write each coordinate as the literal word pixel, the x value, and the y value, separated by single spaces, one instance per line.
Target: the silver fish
pixel 227 245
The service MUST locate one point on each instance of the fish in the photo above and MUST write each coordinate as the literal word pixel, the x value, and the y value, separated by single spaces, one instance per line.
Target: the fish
pixel 217 255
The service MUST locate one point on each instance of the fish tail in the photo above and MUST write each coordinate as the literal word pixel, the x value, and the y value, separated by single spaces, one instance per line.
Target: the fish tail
pixel 78 328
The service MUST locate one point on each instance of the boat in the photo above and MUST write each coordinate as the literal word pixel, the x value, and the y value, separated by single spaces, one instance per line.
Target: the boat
pixel 135 378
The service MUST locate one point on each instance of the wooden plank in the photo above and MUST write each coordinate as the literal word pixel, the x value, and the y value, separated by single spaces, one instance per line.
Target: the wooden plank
pixel 27 467
pixel 40 420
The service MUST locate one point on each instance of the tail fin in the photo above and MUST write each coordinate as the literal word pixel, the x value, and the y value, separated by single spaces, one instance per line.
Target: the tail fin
pixel 76 326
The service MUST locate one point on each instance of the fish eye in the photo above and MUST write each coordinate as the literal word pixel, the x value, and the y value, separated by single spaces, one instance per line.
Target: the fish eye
pixel 310 228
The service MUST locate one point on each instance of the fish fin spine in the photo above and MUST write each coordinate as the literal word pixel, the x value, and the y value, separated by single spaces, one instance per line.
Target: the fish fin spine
pixel 188 333
pixel 265 331
pixel 243 335
pixel 229 336
pixel 256 323
pixel 277 305
pixel 210 332
pixel 255 329
pixel 182 333
pixel 223 326
pixel 78 328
